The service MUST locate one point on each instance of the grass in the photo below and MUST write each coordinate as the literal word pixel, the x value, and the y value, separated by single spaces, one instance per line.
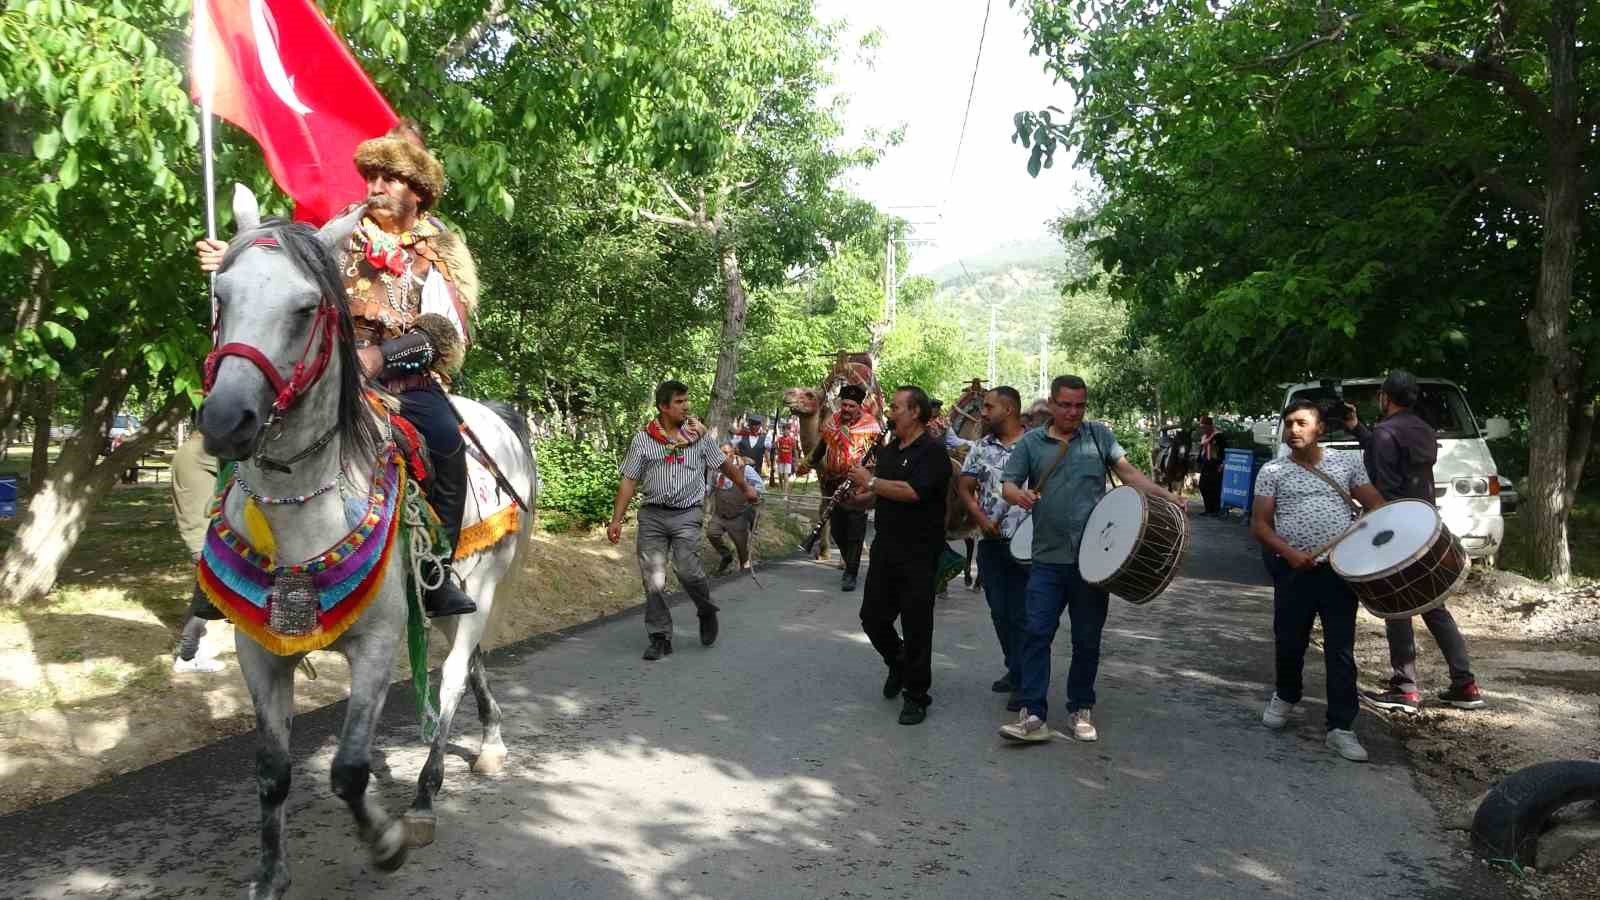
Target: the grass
pixel 1583 540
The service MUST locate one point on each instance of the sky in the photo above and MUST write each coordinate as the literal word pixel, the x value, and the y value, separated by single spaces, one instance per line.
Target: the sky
pixel 918 77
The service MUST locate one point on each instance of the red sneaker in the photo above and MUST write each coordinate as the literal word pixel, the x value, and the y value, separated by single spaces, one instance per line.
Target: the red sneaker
pixel 1465 697
pixel 1394 701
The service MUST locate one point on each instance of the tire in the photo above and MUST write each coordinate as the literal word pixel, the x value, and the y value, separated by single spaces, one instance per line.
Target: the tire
pixel 1511 818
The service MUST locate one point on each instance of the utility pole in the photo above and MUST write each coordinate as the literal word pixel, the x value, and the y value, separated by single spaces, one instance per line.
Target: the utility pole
pixel 1044 364
pixel 891 279
pixel 994 312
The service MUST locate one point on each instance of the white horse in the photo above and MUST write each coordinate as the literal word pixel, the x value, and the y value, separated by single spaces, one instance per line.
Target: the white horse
pixel 281 310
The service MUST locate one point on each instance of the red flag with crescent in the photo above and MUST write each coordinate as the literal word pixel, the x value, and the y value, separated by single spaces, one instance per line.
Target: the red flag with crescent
pixel 276 69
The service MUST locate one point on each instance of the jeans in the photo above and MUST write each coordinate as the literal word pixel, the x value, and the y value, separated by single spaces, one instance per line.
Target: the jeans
pixel 671 533
pixel 1054 587
pixel 1403 649
pixel 901 586
pixel 1298 600
pixel 1005 586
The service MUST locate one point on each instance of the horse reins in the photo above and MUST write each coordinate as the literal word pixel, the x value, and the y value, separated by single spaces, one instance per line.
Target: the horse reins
pixel 287 392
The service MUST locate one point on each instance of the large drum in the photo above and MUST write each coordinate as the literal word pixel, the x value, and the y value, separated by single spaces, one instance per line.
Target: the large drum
pixel 1400 560
pixel 1133 545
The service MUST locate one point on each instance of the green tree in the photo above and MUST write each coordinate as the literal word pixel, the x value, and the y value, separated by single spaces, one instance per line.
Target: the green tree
pixel 1295 189
pixel 765 199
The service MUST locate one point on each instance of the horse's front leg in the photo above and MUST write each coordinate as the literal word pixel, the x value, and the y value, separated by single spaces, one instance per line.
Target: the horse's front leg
pixel 371 656
pixel 271 682
pixel 420 819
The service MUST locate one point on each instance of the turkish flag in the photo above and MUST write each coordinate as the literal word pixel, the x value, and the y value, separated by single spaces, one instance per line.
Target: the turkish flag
pixel 276 69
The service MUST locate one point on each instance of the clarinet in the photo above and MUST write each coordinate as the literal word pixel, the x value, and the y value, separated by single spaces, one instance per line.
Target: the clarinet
pixel 809 545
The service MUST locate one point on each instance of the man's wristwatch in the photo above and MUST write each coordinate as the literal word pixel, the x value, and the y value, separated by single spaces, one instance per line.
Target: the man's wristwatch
pixel 870 482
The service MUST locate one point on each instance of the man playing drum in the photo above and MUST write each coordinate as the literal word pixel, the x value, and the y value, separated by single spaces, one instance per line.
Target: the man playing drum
pixel 1060 498
pixel 1004 580
pixel 1400 452
pixel 1302 507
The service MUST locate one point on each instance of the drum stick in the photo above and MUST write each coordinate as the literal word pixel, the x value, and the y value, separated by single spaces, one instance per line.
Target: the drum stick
pixel 1355 526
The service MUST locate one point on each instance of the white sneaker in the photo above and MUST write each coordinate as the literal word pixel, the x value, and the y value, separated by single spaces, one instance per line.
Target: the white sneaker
pixel 1345 744
pixel 1277 713
pixel 1082 728
pixel 198 664
pixel 1028 728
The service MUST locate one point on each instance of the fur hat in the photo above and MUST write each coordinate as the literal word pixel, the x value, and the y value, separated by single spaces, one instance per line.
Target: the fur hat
pixel 407 160
pixel 853 392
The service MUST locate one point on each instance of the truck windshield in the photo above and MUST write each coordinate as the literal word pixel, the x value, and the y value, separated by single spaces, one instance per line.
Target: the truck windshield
pixel 1440 405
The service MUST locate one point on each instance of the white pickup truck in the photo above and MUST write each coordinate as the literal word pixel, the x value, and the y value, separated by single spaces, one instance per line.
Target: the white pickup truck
pixel 1466 482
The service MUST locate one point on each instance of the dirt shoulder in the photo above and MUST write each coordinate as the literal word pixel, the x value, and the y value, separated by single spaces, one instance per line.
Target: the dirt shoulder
pixel 1536 655
pixel 87 690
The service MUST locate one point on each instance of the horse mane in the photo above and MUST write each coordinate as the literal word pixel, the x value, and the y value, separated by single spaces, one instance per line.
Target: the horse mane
pixel 359 434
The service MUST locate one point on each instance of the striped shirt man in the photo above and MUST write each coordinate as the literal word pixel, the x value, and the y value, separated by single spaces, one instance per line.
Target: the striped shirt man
pixel 679 484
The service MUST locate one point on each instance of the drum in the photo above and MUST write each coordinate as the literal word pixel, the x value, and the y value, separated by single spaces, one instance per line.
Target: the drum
pixel 1133 545
pixel 1022 541
pixel 1400 560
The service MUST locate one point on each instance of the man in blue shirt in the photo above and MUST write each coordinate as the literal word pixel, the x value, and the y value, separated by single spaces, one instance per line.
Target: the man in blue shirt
pixel 1059 474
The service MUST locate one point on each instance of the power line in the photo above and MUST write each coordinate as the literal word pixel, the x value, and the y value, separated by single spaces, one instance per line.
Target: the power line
pixel 972 90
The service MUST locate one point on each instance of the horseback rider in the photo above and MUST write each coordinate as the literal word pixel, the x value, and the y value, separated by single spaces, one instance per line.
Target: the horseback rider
pixel 411 286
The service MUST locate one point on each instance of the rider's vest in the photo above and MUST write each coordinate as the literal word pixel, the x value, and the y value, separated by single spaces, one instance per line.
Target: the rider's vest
pixel 384 303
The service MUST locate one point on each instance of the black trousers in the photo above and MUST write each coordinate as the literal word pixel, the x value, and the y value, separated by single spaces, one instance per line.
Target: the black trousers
pixel 1298 600
pixel 1211 487
pixel 848 528
pixel 900 585
pixel 429 410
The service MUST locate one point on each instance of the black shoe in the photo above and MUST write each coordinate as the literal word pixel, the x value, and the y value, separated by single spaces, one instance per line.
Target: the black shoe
pixel 892 684
pixel 660 645
pixel 1003 685
pixel 1014 702
pixel 913 712
pixel 723 566
pixel 447 600
pixel 848 583
pixel 708 628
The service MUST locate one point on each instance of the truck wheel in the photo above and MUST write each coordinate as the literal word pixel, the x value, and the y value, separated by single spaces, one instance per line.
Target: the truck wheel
pixel 1511 818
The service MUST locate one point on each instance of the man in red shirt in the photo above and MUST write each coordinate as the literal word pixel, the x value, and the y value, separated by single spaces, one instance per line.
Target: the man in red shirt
pixel 784 449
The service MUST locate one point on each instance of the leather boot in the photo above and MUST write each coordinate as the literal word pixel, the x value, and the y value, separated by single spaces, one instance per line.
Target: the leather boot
pixel 448 495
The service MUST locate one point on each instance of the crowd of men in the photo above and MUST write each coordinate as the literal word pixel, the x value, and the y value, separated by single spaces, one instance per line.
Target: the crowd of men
pixel 1050 474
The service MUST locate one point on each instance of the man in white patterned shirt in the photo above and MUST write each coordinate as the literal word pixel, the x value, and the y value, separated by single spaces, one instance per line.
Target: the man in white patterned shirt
pixel 1303 503
pixel 1005 581
pixel 667 465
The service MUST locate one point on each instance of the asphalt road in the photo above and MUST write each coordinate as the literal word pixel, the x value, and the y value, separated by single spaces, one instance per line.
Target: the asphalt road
pixel 770 766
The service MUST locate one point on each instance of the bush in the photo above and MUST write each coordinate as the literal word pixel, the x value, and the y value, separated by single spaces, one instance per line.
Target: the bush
pixel 1136 441
pixel 577 484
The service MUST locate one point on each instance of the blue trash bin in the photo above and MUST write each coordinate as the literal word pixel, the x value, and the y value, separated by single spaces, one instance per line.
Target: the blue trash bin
pixel 8 496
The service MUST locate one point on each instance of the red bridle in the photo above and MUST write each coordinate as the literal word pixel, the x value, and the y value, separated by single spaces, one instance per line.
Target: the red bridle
pixel 287 392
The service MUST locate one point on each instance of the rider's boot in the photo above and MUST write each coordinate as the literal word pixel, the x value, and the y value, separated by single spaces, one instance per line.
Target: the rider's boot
pixel 448 495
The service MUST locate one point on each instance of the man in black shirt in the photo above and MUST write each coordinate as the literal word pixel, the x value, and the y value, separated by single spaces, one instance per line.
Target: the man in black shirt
pixel 908 489
pixel 1399 453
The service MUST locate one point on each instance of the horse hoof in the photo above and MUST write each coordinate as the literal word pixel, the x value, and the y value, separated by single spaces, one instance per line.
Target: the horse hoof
pixel 275 888
pixel 389 850
pixel 489 762
pixel 419 828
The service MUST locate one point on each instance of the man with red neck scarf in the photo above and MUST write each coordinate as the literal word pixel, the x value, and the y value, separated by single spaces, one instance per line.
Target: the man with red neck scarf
pixel 846 438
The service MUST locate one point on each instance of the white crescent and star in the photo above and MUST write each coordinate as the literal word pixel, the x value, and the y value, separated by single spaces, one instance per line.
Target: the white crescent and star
pixel 266 40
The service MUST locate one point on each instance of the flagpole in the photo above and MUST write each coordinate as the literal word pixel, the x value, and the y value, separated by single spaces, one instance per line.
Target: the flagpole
pixel 205 74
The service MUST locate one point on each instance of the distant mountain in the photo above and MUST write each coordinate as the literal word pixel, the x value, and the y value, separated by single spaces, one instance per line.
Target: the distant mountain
pixel 1035 253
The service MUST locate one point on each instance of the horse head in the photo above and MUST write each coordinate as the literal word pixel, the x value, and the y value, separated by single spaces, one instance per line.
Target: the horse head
pixel 283 335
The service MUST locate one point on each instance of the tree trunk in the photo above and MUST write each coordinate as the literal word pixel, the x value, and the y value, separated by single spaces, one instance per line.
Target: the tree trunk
pixel 720 416
pixel 1550 392
pixel 59 509
pixel 44 402
pixel 28 314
